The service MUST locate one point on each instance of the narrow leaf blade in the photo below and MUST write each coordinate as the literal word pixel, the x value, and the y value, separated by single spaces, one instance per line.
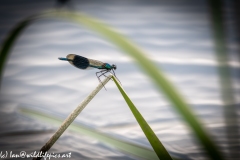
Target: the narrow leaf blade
pixel 152 138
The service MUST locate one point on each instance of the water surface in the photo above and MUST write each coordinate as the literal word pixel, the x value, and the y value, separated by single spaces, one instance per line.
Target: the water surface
pixel 175 35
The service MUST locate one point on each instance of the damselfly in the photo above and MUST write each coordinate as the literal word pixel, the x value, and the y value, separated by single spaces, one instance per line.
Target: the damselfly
pixel 85 63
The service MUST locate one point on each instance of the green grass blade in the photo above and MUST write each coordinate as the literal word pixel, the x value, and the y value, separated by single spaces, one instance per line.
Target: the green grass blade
pixel 152 138
pixel 124 146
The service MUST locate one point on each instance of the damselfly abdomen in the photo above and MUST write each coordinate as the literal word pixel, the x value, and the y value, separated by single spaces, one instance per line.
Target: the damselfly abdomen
pixel 85 63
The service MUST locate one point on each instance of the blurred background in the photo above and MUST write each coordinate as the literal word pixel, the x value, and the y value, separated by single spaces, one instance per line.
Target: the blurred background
pixel 177 35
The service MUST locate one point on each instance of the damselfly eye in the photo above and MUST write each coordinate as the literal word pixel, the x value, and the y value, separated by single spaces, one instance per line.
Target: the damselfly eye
pixel 114 66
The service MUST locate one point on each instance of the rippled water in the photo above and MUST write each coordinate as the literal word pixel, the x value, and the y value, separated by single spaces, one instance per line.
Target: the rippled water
pixel 175 35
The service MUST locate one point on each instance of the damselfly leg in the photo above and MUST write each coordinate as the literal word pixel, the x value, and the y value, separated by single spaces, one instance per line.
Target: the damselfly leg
pixel 102 73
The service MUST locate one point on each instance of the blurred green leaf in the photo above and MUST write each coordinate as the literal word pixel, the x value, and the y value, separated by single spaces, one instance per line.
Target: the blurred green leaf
pixel 224 72
pixel 8 44
pixel 152 138
pixel 124 146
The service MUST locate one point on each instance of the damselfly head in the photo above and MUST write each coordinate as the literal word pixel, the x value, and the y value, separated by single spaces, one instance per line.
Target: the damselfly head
pixel 114 66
